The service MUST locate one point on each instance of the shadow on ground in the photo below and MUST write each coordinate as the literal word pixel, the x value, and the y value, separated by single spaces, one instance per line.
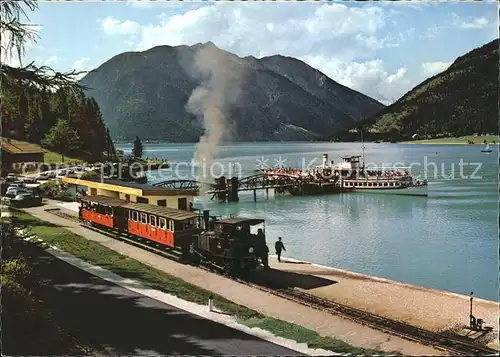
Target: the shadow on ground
pixel 117 321
pixel 285 279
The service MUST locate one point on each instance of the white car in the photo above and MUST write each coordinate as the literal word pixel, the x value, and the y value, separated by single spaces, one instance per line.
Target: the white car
pixel 14 191
pixel 10 177
pixel 43 176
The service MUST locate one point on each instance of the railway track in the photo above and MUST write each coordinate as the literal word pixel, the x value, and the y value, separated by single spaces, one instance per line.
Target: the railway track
pixel 453 344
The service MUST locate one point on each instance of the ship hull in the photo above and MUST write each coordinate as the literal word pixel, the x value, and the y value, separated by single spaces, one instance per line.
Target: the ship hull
pixel 421 191
pixel 310 190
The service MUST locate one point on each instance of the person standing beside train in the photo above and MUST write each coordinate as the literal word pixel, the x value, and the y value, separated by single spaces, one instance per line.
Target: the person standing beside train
pixel 279 246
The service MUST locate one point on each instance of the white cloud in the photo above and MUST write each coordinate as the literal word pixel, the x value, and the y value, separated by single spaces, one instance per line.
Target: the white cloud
pixel 397 38
pixel 433 32
pixel 475 23
pixel 344 40
pixel 370 77
pixel 293 30
pixel 51 61
pixel 141 4
pixel 48 61
pixel 80 65
pixel 455 21
pixel 428 69
pixel 112 26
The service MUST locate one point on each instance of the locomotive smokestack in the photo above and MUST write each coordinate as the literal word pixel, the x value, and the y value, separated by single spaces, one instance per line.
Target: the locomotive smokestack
pixel 206 219
pixel 325 160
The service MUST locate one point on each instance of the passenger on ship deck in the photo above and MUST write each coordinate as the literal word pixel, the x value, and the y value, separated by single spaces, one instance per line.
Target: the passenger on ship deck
pixel 279 246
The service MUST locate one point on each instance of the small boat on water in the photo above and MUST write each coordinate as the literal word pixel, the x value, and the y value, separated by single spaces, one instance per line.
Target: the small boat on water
pixel 487 148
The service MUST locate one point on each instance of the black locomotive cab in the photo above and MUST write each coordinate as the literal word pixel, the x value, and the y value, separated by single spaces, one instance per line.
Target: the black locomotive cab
pixel 235 244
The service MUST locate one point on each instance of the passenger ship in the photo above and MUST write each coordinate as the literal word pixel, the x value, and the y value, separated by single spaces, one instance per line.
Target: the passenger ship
pixel 353 176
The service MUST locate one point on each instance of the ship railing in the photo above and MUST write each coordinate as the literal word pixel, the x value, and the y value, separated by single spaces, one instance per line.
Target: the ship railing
pixel 378 178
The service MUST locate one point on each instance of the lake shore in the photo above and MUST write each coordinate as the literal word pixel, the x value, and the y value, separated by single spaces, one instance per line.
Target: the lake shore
pixel 462 140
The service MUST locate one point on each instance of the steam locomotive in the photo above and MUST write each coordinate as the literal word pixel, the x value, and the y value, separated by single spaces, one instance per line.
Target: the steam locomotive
pixel 228 245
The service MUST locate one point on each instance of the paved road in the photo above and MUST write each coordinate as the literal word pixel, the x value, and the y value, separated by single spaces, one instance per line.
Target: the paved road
pixel 126 323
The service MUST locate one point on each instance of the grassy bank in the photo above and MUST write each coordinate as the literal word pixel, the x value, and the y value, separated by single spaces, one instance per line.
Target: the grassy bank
pixel 97 254
pixel 459 140
pixel 50 157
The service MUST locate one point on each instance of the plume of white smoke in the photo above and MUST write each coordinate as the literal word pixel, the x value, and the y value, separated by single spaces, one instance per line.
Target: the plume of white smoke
pixel 212 101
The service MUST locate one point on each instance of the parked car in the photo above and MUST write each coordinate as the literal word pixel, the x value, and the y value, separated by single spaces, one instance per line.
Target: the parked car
pixel 26 199
pixel 42 176
pixel 29 179
pixel 13 191
pixel 11 177
pixel 16 184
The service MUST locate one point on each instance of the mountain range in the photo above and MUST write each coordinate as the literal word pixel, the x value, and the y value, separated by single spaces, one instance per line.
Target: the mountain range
pixel 460 101
pixel 279 98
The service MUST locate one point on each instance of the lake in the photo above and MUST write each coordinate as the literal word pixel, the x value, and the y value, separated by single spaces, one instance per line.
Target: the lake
pixel 448 241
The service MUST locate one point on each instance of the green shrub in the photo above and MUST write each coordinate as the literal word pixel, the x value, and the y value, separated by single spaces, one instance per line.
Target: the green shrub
pixel 89 174
pixel 56 190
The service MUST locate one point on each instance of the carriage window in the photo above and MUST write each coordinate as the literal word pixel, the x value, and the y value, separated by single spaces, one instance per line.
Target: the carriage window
pixel 171 225
pixel 152 220
pixel 162 223
pixel 135 216
pixel 144 218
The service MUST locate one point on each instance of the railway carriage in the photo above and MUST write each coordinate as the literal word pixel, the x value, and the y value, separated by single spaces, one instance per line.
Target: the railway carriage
pixel 167 226
pixel 228 245
pixel 101 210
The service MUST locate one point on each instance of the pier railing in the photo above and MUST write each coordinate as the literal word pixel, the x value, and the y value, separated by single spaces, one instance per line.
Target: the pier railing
pixel 227 190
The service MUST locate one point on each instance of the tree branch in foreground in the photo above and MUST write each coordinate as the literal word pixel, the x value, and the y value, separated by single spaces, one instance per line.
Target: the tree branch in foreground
pixel 43 77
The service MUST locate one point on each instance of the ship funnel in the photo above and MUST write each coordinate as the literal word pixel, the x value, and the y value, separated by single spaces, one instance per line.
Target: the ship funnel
pixel 206 219
pixel 325 160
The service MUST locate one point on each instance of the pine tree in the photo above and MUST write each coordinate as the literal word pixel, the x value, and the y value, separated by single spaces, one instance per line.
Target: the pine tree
pixel 62 138
pixel 110 146
pixel 137 150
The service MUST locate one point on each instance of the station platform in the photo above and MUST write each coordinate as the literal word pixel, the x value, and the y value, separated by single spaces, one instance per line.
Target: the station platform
pixel 430 309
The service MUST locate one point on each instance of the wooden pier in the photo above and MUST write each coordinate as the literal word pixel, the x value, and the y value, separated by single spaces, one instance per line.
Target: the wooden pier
pixel 226 190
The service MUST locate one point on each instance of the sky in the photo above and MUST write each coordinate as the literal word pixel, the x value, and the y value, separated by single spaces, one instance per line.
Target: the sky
pixel 382 49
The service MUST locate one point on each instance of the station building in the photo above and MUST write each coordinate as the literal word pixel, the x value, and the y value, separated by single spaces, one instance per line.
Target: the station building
pixel 134 192
pixel 17 154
